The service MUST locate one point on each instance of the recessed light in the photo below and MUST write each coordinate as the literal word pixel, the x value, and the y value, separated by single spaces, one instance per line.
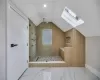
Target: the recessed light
pixel 44 5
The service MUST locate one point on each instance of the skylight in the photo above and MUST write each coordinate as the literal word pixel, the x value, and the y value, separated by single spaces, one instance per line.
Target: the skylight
pixel 71 17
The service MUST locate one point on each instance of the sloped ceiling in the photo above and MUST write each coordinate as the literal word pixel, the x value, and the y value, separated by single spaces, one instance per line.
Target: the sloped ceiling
pixel 88 10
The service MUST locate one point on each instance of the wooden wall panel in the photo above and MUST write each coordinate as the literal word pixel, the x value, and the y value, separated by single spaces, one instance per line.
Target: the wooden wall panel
pixel 80 48
pixel 68 58
pixel 58 40
pixel 77 41
pixel 69 33
pixel 60 64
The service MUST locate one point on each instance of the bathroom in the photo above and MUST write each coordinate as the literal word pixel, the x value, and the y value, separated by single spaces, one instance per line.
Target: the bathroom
pixel 49 44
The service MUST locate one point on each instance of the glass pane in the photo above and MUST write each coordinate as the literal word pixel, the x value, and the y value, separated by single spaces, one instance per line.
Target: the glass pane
pixel 47 36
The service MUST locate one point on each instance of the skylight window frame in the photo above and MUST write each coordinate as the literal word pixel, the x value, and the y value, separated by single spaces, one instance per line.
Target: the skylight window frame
pixel 70 17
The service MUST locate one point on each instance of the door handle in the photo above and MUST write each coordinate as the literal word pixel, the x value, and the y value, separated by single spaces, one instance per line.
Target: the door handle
pixel 13 45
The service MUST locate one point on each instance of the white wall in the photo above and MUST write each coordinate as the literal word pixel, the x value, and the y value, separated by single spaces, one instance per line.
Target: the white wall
pixel 2 39
pixel 93 52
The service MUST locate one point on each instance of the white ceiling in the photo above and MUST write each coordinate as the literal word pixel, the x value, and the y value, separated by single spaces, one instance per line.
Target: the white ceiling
pixel 88 10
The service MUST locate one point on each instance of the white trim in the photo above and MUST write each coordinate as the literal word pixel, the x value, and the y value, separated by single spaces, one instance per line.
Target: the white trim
pixel 93 70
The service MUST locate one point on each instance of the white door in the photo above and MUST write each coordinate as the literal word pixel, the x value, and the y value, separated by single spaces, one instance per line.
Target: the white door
pixel 17 35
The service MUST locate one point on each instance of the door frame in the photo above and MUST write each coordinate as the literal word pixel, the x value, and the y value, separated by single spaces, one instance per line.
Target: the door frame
pixel 18 11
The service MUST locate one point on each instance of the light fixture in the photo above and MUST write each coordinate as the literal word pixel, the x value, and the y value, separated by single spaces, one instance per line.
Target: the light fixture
pixel 71 17
pixel 44 5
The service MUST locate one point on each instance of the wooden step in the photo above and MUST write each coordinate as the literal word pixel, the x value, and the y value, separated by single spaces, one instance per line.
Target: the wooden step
pixel 48 64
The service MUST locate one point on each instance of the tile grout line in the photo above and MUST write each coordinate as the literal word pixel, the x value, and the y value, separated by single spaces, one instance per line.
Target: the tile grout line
pixel 22 74
pixel 74 76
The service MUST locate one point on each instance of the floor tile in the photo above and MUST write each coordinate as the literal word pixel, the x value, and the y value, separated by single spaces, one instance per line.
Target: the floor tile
pixel 63 73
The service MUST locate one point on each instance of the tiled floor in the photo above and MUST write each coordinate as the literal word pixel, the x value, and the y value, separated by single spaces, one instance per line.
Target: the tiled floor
pixel 48 58
pixel 58 74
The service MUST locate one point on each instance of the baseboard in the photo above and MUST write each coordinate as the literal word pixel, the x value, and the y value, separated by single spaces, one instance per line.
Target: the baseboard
pixel 93 70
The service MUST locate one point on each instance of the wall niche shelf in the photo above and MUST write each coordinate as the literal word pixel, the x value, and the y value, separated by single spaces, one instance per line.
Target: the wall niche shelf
pixel 68 39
